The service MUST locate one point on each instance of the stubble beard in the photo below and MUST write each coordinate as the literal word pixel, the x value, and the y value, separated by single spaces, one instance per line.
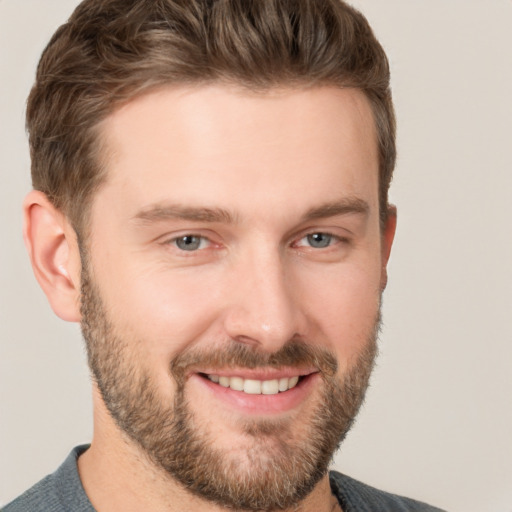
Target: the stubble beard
pixel 279 467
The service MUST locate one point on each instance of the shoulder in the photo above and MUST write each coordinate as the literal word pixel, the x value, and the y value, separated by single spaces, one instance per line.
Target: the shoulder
pixel 59 492
pixel 356 496
pixel 38 498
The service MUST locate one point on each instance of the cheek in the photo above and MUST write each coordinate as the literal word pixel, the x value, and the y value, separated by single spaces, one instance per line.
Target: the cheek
pixel 166 312
pixel 343 312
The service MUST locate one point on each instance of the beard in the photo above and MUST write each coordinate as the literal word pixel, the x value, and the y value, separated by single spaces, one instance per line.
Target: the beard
pixel 282 459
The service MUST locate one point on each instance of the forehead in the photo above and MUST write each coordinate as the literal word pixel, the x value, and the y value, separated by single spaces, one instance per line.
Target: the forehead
pixel 220 144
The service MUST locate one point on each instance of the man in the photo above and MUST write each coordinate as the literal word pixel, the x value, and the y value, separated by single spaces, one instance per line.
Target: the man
pixel 210 203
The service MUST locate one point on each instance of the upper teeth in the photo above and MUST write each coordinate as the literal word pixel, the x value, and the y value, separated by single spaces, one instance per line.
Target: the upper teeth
pixel 256 387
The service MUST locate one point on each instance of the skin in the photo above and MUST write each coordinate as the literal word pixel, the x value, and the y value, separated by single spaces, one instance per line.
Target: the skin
pixel 270 162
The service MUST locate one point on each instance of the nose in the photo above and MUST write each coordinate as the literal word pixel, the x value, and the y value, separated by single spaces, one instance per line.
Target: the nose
pixel 264 310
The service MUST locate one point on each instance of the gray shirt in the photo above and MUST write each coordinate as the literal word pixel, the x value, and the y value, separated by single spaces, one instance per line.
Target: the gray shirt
pixel 62 491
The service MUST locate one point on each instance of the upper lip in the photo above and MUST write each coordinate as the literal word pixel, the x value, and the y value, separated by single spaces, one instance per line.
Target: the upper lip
pixel 258 373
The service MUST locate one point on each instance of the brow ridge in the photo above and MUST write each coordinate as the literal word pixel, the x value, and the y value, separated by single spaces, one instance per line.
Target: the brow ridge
pixel 161 212
pixel 345 206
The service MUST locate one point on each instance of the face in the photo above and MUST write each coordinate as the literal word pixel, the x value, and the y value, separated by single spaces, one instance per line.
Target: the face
pixel 232 282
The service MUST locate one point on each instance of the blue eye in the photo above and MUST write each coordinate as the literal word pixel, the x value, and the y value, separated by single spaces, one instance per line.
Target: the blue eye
pixel 190 242
pixel 319 240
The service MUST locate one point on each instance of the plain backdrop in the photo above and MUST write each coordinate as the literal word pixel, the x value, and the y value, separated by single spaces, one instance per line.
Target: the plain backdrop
pixel 437 423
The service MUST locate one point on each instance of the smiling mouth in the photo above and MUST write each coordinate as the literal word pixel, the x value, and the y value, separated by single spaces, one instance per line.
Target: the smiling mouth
pixel 253 386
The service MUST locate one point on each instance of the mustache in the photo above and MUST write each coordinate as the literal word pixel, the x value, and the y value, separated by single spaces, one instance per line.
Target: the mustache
pixel 295 353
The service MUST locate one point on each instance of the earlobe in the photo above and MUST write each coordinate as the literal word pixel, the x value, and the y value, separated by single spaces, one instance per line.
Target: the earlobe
pixel 53 251
pixel 388 235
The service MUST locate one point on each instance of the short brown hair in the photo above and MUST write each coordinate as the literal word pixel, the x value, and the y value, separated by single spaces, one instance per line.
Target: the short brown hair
pixel 110 51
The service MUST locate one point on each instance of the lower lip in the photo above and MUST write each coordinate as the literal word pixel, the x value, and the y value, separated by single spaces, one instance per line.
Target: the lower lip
pixel 261 404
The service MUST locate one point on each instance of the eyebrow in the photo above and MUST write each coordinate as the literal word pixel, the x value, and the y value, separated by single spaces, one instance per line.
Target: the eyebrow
pixel 345 206
pixel 161 212
pixel 176 211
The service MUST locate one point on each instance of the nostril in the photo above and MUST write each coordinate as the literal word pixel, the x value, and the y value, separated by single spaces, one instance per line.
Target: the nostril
pixel 246 340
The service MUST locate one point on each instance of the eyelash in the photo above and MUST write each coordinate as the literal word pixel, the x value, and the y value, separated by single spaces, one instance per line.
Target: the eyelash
pixel 202 240
pixel 332 239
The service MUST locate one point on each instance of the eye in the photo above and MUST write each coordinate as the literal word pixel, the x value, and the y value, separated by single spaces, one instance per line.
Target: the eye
pixel 317 240
pixel 191 242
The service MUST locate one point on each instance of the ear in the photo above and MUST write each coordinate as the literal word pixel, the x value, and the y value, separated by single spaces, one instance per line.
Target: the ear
pixel 387 237
pixel 53 250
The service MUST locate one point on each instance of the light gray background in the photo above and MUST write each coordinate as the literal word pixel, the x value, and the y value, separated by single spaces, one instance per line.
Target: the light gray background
pixel 437 423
